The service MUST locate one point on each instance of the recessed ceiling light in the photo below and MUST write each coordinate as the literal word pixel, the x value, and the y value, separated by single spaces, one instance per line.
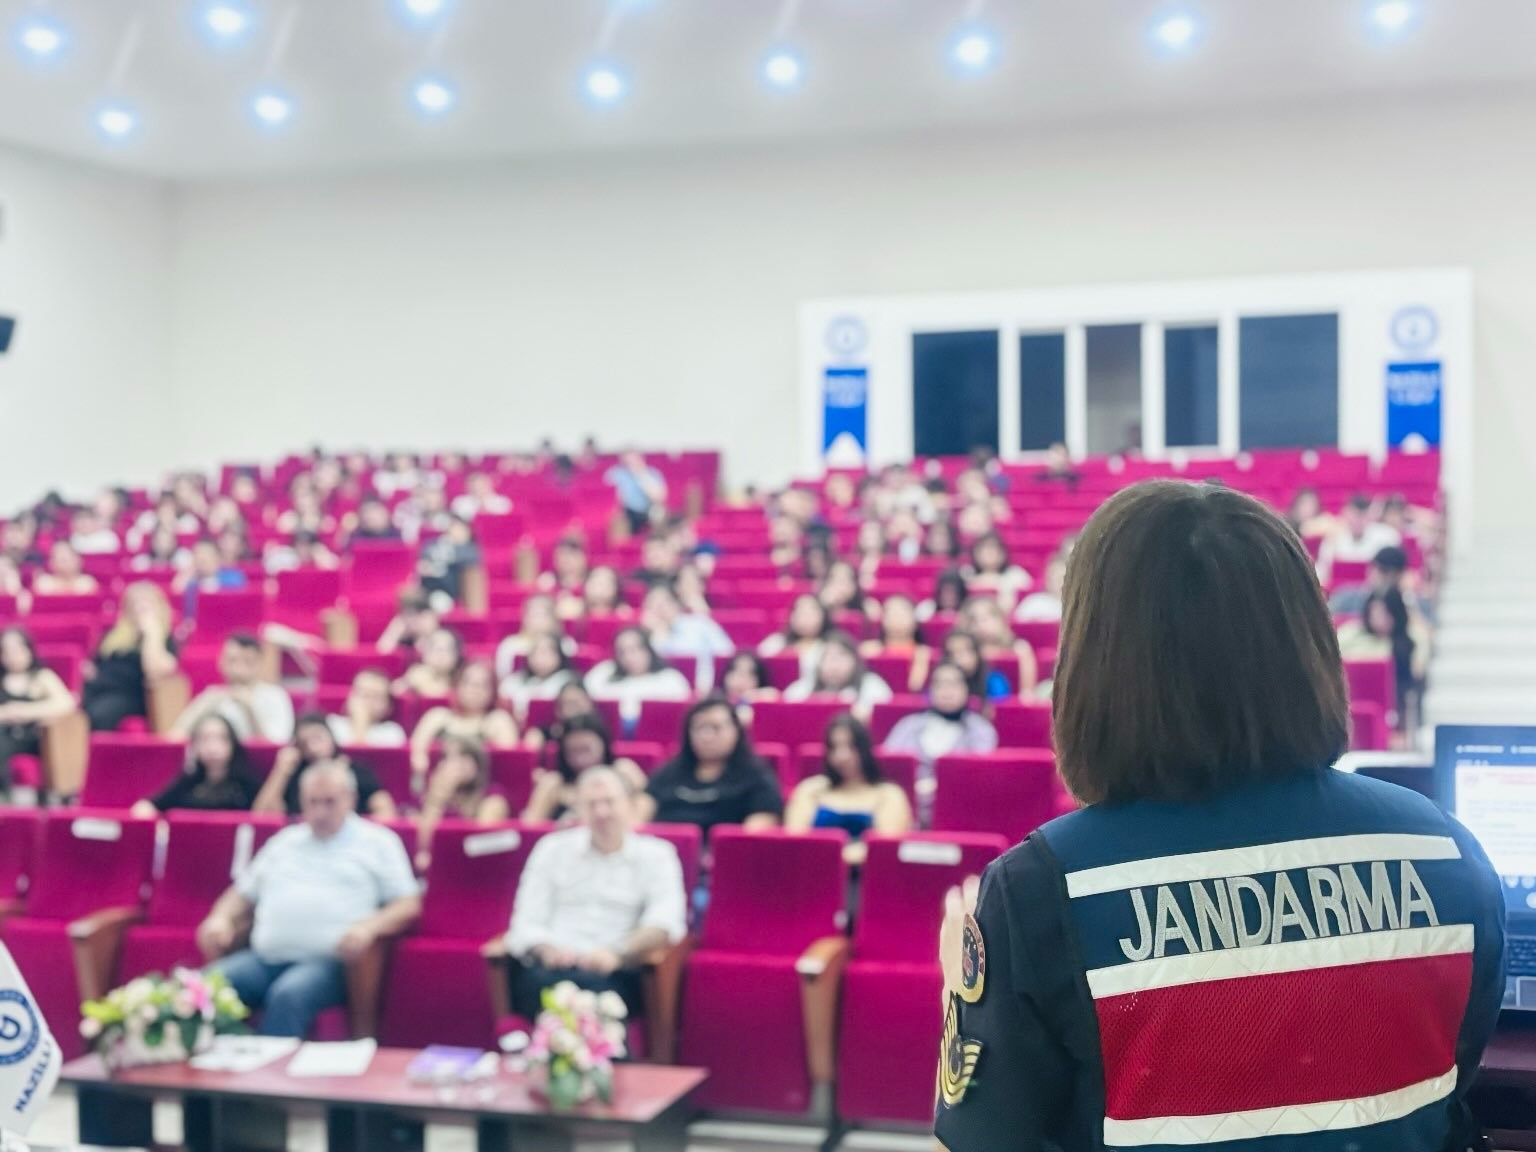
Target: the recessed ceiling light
pixel 1392 15
pixel 227 20
pixel 41 38
pixel 973 50
pixel 605 85
pixel 272 108
pixel 434 96
pixel 1176 33
pixel 782 70
pixel 116 121
pixel 422 11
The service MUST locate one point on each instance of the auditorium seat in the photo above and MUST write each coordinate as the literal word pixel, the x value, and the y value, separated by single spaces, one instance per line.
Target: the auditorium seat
pixel 512 771
pixel 772 947
pixel 885 716
pixel 1022 724
pixel 661 722
pixel 794 722
pixel 1374 682
pixel 1368 731
pixel 688 840
pixel 91 871
pixel 437 991
pixel 890 1021
pixel 86 605
pixel 392 766
pixel 202 854
pixel 221 613
pixel 341 667
pixel 18 835
pixel 126 768
pixel 1009 793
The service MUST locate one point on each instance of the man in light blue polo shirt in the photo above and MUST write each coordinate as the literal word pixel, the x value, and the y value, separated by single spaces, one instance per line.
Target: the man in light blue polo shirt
pixel 639 487
pixel 320 893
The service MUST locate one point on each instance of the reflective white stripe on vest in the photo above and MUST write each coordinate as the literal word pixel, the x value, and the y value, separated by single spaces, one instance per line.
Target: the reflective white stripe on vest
pixel 1257 858
pixel 1289 956
pixel 1292 1120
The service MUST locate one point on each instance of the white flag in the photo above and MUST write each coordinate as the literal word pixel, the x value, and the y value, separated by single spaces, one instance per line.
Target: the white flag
pixel 29 1058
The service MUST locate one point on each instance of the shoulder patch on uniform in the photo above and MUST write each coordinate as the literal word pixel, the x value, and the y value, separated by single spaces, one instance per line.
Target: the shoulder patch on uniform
pixel 957 1059
pixel 973 961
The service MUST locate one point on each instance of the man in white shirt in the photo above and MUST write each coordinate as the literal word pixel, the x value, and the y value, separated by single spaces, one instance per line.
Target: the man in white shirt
pixel 367 722
pixel 594 901
pixel 320 893
pixel 1359 538
pixel 255 708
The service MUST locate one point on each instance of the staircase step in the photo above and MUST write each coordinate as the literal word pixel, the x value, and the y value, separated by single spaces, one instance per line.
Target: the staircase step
pixel 1454 611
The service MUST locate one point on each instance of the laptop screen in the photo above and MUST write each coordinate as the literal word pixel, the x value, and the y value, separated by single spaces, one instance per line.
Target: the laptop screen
pixel 1487 778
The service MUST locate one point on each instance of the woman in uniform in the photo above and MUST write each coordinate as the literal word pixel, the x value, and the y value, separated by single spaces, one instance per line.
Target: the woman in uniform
pixel 1231 944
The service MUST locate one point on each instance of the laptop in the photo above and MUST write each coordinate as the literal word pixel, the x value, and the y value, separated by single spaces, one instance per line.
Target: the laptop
pixel 1487 779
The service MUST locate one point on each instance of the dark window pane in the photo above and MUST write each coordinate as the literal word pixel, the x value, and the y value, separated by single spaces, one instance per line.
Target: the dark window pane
pixel 954 392
pixel 1290 381
pixel 1114 388
pixel 1042 390
pixel 1189 393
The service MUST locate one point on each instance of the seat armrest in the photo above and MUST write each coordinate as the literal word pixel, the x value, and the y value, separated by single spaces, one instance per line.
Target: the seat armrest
pixel 661 981
pixel 474 590
pixel 97 942
pixel 821 981
pixel 65 748
pixel 498 975
pixel 367 975
pixel 168 698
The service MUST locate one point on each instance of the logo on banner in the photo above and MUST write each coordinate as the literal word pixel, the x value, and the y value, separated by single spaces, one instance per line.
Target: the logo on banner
pixel 29 1058
pixel 1415 329
pixel 19 1032
pixel 846 337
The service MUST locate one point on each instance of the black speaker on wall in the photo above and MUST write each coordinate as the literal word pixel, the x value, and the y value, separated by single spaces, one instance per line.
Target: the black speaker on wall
pixel 7 330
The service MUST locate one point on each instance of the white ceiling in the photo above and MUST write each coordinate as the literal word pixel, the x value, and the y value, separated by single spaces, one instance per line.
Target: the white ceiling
pixel 871 66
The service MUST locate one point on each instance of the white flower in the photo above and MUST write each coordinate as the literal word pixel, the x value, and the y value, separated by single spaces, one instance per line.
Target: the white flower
pixel 612 1005
pixel 137 994
pixel 149 1013
pixel 563 996
pixel 581 1059
pixel 563 1041
pixel 90 1028
pixel 586 1003
pixel 616 1035
pixel 183 1005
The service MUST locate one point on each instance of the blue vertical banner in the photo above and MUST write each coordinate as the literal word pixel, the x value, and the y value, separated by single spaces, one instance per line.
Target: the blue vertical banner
pixel 1413 402
pixel 845 417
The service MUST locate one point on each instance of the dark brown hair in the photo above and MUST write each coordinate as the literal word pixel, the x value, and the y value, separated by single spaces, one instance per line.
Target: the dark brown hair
pixel 1196 650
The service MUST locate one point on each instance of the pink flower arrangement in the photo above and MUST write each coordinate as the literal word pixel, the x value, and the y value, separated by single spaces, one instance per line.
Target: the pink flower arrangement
pixel 575 1041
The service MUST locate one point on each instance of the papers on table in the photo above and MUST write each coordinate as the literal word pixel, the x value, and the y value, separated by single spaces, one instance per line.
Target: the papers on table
pixel 242 1053
pixel 350 1058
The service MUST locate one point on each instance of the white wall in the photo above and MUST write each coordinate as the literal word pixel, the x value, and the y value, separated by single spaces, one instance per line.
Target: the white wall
pixel 655 297
pixel 85 268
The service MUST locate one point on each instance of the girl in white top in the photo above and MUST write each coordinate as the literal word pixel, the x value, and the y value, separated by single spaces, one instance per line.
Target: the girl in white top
pixel 546 669
pixel 805 634
pixel 538 619
pixel 991 572
pixel 841 673
pixel 635 674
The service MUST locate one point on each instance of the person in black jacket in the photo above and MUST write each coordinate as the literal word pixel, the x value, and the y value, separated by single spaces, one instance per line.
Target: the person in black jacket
pixel 218 775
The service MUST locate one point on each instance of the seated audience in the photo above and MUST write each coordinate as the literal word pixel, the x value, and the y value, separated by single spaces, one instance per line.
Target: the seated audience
pixel 307 513
pixel 851 792
pixel 675 632
pixel 992 573
pixel 984 682
pixel 1306 515
pixel 12 585
pixel 840 591
pixel 480 498
pixel 446 559
pixel 716 778
pixel 369 707
pixel 904 535
pixel 601 595
pixel 166 516
pixel 583 743
pixel 869 549
pixel 318 894
pixel 137 651
pixel 948 595
pixel 441 655
pixel 692 589
pixel 65 575
pixel 414 620
pixel 545 670
pixel 641 490
pixel 460 789
pixel 423 514
pixel 30 697
pixel 940 540
pixel 91 536
pixel 636 673
pixel 18 541
pixel 1386 631
pixel 1059 468
pixel 1388 572
pixel 208 573
pixel 218 775
pixel 1045 604
pixel 902 635
pixel 304 551
pixel 568 574
pixel 571 701
pixel 372 521
pixel 164 554
pixel 314 742
pixel 658 561
pixel 744 682
pixel 594 902
pixel 538 618
pixel 257 709
pixel 947 725
pixel 471 715
pixel 983 618
pixel 841 672
pixel 804 634
pixel 1358 537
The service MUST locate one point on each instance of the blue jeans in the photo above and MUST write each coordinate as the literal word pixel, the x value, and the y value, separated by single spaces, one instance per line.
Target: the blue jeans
pixel 289 995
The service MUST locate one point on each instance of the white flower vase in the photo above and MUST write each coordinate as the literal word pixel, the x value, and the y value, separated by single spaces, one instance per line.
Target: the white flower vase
pixel 132 1052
